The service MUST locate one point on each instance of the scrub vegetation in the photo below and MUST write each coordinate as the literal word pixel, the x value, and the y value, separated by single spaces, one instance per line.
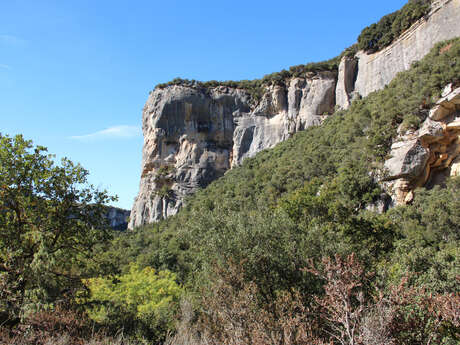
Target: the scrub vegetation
pixel 281 250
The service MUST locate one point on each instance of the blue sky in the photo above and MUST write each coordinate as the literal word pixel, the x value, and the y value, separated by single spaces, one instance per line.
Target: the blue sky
pixel 74 75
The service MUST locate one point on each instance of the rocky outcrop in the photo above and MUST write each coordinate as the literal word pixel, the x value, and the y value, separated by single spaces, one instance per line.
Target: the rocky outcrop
pixel 374 71
pixel 427 156
pixel 192 135
pixel 304 102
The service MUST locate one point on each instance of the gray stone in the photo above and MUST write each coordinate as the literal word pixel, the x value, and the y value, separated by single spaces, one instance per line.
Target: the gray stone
pixel 117 218
pixel 449 103
pixel 378 69
pixel 408 159
pixel 446 105
pixel 193 135
pixel 439 112
pixel 430 131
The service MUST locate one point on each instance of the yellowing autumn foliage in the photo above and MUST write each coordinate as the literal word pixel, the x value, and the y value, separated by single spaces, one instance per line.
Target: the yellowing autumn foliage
pixel 142 298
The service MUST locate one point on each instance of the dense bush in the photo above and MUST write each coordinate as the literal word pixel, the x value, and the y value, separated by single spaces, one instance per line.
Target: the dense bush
pixel 142 301
pixel 379 35
pixel 50 221
pixel 348 311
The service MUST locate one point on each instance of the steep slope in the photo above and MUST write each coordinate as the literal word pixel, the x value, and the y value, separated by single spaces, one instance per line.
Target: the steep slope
pixel 309 197
pixel 194 133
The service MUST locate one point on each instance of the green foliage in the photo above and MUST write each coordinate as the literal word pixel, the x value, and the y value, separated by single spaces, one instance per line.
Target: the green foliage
pixel 430 240
pixel 50 221
pixel 307 198
pixel 141 300
pixel 256 87
pixel 380 35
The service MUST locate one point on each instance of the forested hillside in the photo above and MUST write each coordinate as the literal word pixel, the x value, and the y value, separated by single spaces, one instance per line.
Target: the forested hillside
pixel 286 249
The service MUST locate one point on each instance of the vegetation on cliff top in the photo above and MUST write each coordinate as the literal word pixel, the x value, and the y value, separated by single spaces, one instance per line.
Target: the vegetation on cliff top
pixel 372 39
pixel 255 87
pixel 380 35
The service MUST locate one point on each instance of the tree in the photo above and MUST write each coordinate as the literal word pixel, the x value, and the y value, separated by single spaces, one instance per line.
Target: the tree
pixel 50 219
pixel 141 300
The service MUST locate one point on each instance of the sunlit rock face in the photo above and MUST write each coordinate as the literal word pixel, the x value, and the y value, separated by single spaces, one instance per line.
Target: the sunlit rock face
pixel 366 73
pixel 429 155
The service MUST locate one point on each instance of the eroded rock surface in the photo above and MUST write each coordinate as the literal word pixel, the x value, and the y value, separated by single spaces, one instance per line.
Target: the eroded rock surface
pixel 193 135
pixel 374 71
pixel 346 81
pixel 426 157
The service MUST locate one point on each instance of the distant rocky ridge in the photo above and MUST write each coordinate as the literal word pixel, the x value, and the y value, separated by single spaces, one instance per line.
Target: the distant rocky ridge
pixel 117 218
pixel 192 135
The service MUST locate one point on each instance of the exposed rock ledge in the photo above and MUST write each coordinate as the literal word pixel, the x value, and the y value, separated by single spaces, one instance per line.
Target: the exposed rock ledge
pixel 429 155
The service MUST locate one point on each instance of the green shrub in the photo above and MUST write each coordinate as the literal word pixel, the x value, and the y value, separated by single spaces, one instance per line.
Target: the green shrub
pixel 256 87
pixel 141 300
pixel 380 35
pixel 50 221
pixel 244 211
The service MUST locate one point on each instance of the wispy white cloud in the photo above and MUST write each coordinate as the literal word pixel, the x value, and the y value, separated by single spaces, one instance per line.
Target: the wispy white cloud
pixel 11 40
pixel 115 132
pixel 3 66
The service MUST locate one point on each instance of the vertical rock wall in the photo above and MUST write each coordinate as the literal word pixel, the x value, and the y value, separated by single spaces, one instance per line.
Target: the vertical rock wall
pixel 374 71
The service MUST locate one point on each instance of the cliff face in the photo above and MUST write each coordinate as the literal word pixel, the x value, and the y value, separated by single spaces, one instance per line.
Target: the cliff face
pixel 366 73
pixel 117 218
pixel 192 135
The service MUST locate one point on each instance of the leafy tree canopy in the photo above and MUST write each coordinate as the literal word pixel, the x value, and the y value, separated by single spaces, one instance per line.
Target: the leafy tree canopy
pixel 50 219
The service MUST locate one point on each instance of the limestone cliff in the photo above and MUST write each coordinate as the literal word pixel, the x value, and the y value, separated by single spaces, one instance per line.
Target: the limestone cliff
pixel 193 134
pixel 366 73
pixel 117 218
